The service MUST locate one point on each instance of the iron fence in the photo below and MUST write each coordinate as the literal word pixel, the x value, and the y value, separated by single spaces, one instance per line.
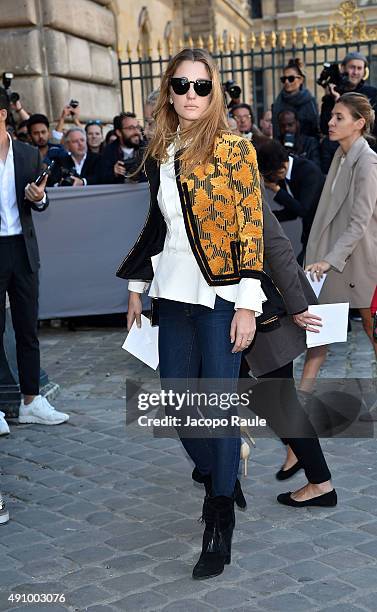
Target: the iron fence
pixel 256 64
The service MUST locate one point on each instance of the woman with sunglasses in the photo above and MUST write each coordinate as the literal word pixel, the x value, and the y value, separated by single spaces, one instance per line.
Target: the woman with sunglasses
pixel 294 96
pixel 202 249
pixel 94 135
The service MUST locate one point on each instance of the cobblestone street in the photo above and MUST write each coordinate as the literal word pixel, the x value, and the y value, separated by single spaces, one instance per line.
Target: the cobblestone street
pixel 107 515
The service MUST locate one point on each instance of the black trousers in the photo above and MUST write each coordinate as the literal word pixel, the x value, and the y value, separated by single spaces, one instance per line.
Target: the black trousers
pixel 277 401
pixel 17 278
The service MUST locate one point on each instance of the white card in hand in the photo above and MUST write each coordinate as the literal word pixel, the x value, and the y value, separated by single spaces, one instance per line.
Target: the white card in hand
pixel 316 285
pixel 143 342
pixel 334 324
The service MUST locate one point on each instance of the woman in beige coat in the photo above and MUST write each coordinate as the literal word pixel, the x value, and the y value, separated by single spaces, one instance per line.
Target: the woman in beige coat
pixel 343 238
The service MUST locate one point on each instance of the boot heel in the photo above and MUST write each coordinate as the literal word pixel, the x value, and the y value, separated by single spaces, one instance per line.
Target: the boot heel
pixel 227 559
pixel 244 454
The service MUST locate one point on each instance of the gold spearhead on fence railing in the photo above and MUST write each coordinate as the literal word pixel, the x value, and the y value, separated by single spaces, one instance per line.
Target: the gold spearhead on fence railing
pixel 283 39
pixel 252 41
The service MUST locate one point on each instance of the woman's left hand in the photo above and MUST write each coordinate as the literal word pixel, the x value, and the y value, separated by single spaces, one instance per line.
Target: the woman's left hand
pixel 242 329
pixel 318 269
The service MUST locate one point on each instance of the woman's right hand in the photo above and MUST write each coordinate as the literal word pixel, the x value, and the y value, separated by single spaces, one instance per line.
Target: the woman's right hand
pixel 134 309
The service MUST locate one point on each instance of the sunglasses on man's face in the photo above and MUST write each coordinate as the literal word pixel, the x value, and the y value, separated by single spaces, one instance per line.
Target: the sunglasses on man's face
pixel 291 78
pixel 181 85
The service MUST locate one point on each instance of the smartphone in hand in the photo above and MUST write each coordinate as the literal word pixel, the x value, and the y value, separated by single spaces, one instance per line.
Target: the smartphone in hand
pixel 45 173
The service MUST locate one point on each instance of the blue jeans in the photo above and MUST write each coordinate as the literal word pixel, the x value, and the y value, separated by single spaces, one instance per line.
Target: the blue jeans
pixel 194 343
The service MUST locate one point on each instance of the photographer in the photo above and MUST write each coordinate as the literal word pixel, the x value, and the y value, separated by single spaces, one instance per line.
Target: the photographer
pixel 243 114
pixel 231 89
pixel 296 143
pixel 71 111
pixel 123 156
pixel 15 105
pixel 351 77
pixel 297 184
pixel 77 166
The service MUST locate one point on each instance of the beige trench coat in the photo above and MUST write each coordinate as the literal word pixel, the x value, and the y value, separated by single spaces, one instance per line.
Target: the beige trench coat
pixel 344 231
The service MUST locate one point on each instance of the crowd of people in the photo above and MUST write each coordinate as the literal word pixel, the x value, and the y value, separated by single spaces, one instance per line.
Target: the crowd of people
pixel 82 154
pixel 215 258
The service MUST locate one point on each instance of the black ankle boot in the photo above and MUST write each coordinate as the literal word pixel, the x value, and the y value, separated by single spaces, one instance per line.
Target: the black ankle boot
pixel 238 495
pixel 217 538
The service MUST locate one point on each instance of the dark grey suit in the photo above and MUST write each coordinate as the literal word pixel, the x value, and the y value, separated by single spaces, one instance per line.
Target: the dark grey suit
pixel 27 166
pixel 19 263
pixel 274 349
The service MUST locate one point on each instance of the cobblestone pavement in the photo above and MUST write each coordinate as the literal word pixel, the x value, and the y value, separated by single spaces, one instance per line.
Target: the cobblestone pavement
pixel 106 515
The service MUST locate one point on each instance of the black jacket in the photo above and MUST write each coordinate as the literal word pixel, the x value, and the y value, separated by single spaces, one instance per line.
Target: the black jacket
pixel 306 185
pixel 90 170
pixel 110 156
pixel 307 147
pixel 27 166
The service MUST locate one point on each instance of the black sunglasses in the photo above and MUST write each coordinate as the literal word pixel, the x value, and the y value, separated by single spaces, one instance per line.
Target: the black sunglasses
pixel 289 78
pixel 181 85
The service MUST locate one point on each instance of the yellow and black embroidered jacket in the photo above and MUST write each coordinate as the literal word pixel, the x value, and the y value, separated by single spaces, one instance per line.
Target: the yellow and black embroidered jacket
pixel 222 209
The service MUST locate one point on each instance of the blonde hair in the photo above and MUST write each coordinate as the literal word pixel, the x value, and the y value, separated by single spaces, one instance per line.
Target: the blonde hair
pixel 360 108
pixel 197 141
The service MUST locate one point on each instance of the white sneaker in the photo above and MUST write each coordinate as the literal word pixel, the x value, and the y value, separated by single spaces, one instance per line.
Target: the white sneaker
pixel 4 429
pixel 4 514
pixel 40 411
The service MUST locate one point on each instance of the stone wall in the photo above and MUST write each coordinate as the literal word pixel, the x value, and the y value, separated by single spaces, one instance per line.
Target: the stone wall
pixel 62 49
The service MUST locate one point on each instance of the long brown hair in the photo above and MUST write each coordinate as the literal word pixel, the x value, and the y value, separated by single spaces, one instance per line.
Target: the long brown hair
pixel 198 140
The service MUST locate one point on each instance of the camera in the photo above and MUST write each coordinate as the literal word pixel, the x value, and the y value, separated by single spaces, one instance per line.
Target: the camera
pixel 7 78
pixel 234 91
pixel 332 74
pixel 65 174
pixel 68 177
pixel 73 103
pixel 131 164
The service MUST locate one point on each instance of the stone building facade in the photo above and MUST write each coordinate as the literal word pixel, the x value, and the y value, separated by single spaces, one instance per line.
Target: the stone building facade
pixel 59 50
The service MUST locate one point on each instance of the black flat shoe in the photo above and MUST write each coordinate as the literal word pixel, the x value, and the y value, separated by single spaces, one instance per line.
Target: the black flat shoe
pixel 285 474
pixel 326 500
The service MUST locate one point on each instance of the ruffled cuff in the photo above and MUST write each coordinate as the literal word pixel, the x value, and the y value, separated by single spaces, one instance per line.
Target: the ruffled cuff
pixel 250 295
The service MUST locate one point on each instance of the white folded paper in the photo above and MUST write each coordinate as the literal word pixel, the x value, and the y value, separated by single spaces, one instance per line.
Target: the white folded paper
pixel 142 342
pixel 334 324
pixel 316 285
